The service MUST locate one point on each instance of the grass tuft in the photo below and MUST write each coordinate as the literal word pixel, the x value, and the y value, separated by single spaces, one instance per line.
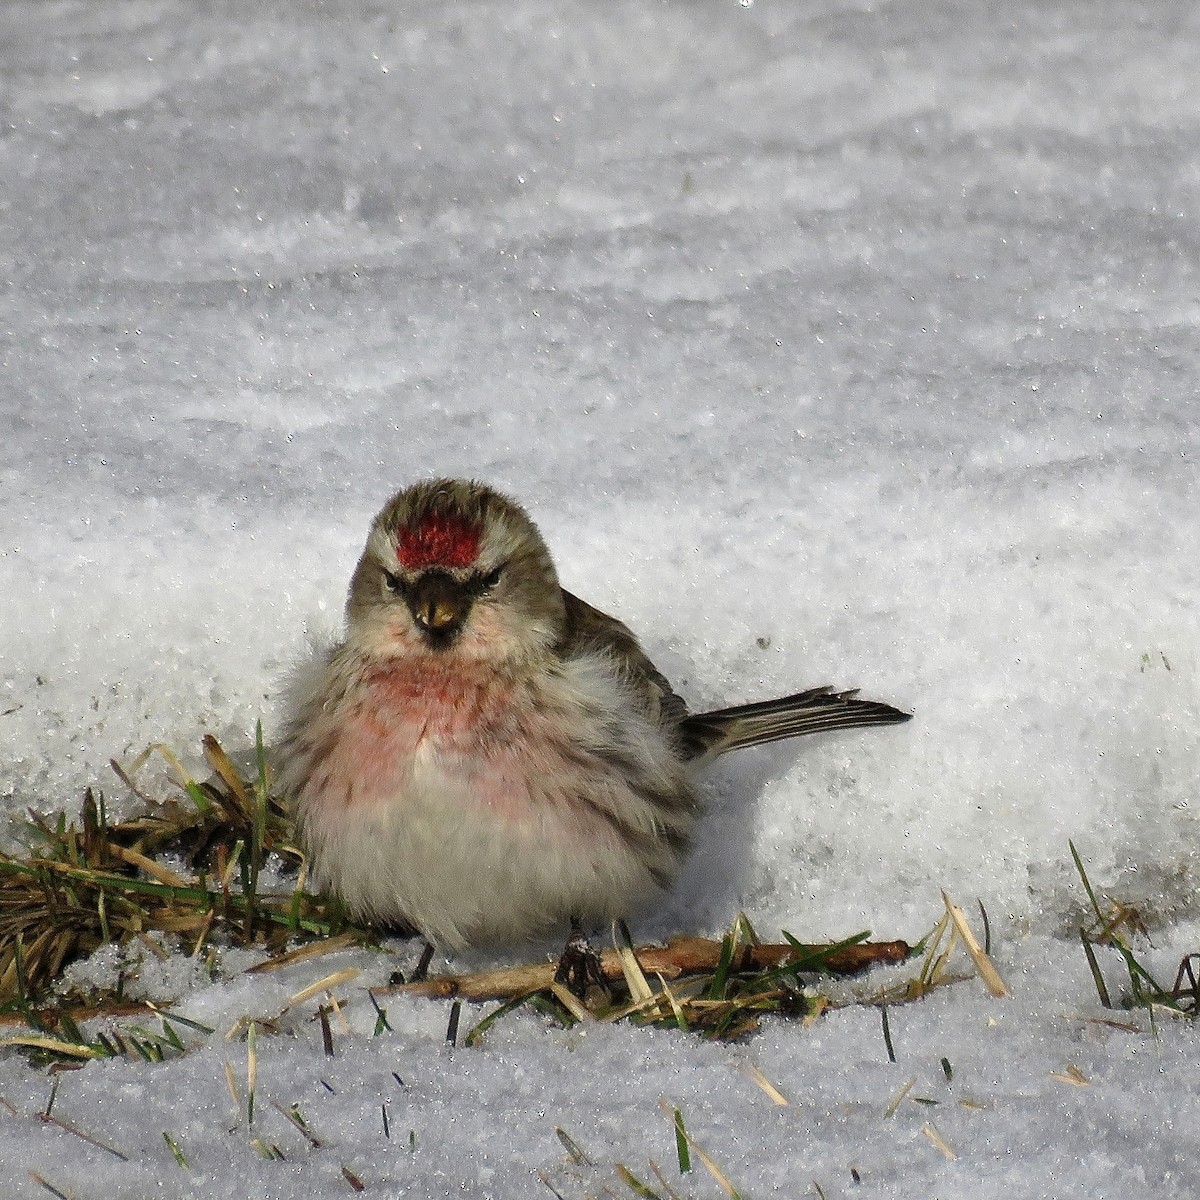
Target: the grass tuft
pixel 1114 927
pixel 89 882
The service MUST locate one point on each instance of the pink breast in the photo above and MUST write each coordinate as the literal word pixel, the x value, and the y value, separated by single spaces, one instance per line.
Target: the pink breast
pixel 467 732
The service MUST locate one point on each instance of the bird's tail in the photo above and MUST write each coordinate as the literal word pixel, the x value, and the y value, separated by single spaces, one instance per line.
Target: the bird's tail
pixel 705 735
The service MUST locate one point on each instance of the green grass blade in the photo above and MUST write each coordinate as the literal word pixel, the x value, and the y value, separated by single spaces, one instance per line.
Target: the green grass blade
pixel 1094 967
pixel 682 1153
pixel 1087 883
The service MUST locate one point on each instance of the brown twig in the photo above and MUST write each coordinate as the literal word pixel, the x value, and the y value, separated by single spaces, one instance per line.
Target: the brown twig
pixel 681 956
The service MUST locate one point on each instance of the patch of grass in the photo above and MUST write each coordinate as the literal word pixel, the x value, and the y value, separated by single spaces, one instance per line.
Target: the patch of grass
pixel 1115 926
pixel 91 881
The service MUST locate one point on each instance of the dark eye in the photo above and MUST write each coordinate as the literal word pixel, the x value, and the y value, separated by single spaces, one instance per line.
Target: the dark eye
pixel 490 580
pixel 393 583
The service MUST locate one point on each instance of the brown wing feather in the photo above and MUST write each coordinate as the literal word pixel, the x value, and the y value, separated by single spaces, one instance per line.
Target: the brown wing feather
pixel 705 735
pixel 589 629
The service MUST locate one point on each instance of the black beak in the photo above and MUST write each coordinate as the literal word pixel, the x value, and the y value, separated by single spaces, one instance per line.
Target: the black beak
pixel 439 605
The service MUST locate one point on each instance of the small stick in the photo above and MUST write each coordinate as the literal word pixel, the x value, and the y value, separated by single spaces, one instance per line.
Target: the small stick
pixel 681 956
pixel 330 945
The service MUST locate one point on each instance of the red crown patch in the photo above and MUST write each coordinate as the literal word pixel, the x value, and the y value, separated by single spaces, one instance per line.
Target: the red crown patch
pixel 438 541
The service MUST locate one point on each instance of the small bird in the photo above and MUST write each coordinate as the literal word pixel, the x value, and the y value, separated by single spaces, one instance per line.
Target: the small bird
pixel 485 756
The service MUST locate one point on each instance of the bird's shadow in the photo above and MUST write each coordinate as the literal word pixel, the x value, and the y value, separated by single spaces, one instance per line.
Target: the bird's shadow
pixel 712 886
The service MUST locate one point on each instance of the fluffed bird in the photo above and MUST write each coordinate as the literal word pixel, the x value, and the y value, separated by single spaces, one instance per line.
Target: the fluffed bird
pixel 486 756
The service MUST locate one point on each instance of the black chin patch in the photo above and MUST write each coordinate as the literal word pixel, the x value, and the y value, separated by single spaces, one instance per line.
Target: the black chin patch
pixel 440 639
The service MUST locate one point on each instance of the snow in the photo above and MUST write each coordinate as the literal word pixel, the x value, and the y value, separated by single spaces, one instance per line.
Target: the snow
pixel 829 342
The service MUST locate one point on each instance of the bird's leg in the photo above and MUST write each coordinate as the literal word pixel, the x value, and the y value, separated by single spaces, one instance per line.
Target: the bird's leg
pixel 422 971
pixel 579 965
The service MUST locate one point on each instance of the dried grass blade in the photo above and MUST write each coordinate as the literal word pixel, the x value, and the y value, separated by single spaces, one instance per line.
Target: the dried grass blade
pixel 571 1002
pixel 49 1119
pixel 929 963
pixel 898 1098
pixel 710 1166
pixel 329 945
pixel 574 1150
pixel 221 763
pixel 124 777
pixel 936 1138
pixel 49 1186
pixel 666 1183
pixel 323 985
pixel 777 1097
pixel 54 1046
pixel 983 964
pixel 680 1016
pixel 1123 1026
pixel 1073 1075
pixel 635 978
pixel 634 1184
pixel 293 1117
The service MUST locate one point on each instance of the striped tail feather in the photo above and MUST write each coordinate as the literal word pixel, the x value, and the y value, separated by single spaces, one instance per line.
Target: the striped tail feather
pixel 706 735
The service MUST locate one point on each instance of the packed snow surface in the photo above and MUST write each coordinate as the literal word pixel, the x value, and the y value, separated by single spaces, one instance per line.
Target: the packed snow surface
pixel 847 343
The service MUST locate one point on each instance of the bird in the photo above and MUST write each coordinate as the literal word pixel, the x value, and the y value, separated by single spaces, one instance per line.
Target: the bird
pixel 484 756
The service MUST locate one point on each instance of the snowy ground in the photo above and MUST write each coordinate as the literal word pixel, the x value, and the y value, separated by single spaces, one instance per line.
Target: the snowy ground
pixel 834 342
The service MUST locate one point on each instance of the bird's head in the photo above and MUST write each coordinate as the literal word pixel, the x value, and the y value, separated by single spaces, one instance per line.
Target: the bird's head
pixel 453 567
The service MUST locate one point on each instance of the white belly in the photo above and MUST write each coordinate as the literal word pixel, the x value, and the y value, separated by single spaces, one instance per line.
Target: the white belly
pixel 461 873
